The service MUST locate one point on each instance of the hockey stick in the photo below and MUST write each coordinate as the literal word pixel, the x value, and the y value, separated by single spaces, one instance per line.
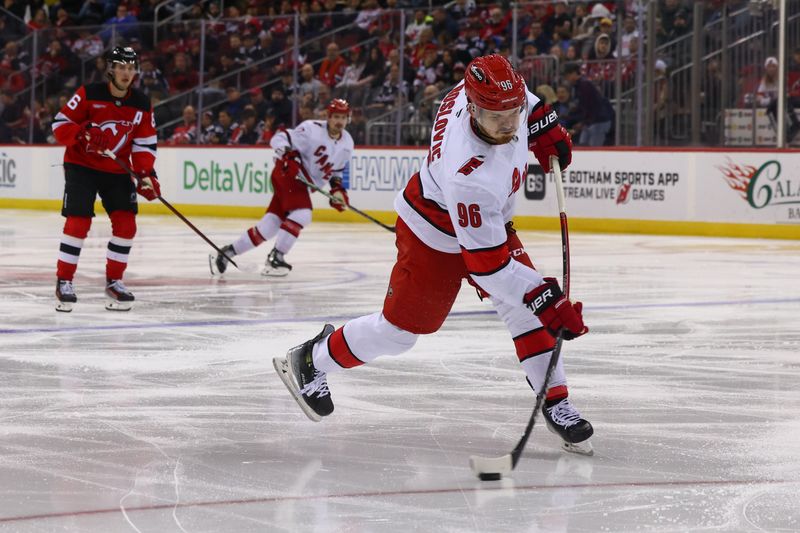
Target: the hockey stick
pixel 126 168
pixel 493 468
pixel 306 179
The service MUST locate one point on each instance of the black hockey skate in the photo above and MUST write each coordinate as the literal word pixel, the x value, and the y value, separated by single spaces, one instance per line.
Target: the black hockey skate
pixel 309 386
pixel 218 263
pixel 566 422
pixel 119 297
pixel 65 294
pixel 276 266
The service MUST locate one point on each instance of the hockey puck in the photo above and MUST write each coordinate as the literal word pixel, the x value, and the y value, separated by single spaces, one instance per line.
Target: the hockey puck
pixel 490 476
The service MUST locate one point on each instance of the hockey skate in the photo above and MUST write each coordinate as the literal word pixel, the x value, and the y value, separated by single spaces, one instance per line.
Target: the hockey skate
pixel 119 298
pixel 218 263
pixel 276 267
pixel 566 422
pixel 309 386
pixel 65 294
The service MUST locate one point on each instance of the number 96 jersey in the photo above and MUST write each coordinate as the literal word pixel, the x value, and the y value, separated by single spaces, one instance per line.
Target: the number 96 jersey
pixel 463 196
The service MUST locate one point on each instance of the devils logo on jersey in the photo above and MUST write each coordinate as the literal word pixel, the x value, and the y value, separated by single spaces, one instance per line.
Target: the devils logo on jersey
pixel 121 130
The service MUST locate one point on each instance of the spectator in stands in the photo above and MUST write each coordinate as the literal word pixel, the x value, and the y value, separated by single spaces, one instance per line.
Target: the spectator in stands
pixel 426 73
pixel 281 108
pixel 458 72
pixel 538 37
pixel 308 83
pixel 150 78
pixel 368 18
pixel 228 125
pixel 462 10
pixel 629 33
pixel 87 45
pixel 332 67
pixel 39 20
pixel 421 122
pixel 257 100
pixel 565 108
pixel 443 23
pixel 415 27
pixel 560 20
pixel 388 93
pixel 234 103
pixel 12 118
pixel 445 75
pixel 497 27
pixel 186 131
pixel 594 114
pixel 247 132
pixel 92 13
pixel 182 76
pixel 207 128
pixel 124 26
pixel 767 91
pixel 56 68
pixel 267 129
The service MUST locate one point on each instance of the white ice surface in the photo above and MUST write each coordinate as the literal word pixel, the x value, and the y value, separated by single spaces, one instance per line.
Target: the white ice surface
pixel 170 417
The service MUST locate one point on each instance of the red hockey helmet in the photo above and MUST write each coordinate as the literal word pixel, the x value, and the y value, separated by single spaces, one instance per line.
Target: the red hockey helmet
pixel 338 105
pixel 492 83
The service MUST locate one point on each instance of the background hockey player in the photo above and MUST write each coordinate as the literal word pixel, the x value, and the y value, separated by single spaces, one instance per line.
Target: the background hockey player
pixel 316 149
pixel 105 116
pixel 454 223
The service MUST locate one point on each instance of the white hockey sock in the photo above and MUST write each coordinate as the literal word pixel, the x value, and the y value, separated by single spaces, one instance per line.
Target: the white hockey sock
pixel 290 229
pixel 264 230
pixel 360 341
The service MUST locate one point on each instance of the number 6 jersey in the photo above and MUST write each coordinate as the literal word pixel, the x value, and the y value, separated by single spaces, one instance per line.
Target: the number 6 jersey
pixel 462 197
pixel 129 119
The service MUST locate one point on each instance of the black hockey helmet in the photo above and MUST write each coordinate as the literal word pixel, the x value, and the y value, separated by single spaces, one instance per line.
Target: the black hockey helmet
pixel 123 54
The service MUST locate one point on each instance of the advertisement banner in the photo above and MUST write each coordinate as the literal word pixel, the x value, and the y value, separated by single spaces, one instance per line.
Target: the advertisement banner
pixel 618 185
pixel 757 187
pixel 16 179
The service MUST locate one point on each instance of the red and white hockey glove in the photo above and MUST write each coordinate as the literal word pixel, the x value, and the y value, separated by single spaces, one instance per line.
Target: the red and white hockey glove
pixel 148 186
pixel 547 137
pixel 340 193
pixel 289 163
pixel 555 311
pixel 94 139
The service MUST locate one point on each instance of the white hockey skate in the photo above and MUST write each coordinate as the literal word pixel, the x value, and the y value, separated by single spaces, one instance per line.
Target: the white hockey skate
pixel 308 386
pixel 65 294
pixel 276 267
pixel 566 422
pixel 118 297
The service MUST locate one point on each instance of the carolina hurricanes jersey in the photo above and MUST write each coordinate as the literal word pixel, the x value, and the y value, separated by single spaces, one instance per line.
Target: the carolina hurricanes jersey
pixel 129 119
pixel 463 195
pixel 322 156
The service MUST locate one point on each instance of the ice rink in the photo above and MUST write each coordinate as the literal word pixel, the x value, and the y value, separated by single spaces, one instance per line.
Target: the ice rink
pixel 170 418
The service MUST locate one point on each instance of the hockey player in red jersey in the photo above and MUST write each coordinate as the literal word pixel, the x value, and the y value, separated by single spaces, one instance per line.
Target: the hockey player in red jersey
pixel 455 223
pixel 316 150
pixel 105 116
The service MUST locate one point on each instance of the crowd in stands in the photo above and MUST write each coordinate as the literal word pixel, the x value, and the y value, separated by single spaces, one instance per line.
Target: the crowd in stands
pixel 571 53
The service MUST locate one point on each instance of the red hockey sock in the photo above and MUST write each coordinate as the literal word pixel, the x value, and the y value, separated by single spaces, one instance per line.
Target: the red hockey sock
pixel 123 229
pixel 75 231
pixel 556 394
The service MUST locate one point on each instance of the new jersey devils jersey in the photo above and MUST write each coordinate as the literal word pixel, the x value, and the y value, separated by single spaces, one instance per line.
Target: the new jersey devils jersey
pixel 129 119
pixel 463 195
pixel 322 156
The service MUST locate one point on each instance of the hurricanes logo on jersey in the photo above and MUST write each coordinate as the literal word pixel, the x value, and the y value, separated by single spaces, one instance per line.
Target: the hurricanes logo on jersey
pixel 120 129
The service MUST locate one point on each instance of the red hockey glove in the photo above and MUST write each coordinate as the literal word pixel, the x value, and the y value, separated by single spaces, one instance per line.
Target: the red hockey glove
pixel 340 193
pixel 289 163
pixel 554 310
pixel 94 139
pixel 547 137
pixel 148 185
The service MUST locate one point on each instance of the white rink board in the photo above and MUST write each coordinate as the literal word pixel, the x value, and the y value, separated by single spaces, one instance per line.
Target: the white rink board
pixel 680 186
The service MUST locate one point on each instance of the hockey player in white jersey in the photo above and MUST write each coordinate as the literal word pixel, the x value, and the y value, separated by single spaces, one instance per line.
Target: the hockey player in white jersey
pixel 454 223
pixel 317 150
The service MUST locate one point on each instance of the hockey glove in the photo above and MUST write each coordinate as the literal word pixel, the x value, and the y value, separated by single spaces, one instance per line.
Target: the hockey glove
pixel 148 186
pixel 555 311
pixel 93 139
pixel 289 163
pixel 340 193
pixel 547 137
